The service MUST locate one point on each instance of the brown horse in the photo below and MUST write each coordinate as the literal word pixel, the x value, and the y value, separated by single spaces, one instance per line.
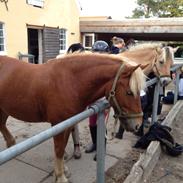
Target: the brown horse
pixel 63 87
pixel 159 59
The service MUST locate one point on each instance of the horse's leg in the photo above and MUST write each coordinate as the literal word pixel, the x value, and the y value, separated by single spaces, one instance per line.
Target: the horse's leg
pixel 4 130
pixel 60 142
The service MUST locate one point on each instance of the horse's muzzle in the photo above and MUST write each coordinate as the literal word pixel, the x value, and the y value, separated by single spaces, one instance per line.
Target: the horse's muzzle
pixel 165 81
pixel 131 124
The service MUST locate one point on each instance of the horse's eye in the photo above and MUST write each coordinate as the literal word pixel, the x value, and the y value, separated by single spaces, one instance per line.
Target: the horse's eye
pixel 161 62
pixel 129 92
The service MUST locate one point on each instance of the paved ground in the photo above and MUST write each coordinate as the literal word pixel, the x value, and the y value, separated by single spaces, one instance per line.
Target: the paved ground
pixel 170 169
pixel 36 165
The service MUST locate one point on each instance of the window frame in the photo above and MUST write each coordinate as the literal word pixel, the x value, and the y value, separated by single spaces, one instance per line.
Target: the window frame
pixel 4 42
pixel 92 40
pixel 62 39
pixel 36 3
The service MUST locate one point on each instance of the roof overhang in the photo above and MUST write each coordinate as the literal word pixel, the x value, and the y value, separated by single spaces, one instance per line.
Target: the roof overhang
pixel 158 25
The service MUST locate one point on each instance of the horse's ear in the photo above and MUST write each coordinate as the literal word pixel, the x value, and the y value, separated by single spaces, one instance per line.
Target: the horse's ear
pixel 175 49
pixel 159 50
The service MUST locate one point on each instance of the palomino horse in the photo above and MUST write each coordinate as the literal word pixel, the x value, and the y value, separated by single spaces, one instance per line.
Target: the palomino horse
pixel 63 87
pixel 159 59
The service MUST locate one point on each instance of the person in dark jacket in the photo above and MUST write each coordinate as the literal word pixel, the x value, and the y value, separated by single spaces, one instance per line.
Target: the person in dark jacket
pixel 118 45
pixel 169 98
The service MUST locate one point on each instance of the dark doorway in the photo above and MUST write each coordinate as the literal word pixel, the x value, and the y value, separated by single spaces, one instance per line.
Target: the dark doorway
pixel 33 44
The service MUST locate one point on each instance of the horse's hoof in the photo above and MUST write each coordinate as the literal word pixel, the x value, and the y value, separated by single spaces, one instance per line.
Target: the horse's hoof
pixel 62 179
pixel 77 151
pixel 67 172
pixel 10 143
pixel 66 156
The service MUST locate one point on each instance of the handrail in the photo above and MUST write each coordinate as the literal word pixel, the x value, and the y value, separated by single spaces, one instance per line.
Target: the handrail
pixel 174 68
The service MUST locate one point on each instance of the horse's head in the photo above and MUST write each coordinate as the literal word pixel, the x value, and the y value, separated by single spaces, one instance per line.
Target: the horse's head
pixel 163 63
pixel 158 58
pixel 124 96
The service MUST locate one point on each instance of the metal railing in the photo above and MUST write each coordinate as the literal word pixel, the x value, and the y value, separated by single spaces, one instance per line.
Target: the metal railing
pixel 98 107
pixel 26 145
pixel 176 69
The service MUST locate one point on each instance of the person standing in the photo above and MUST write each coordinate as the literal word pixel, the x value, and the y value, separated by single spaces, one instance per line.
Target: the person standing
pixel 118 45
pixel 169 98
pixel 98 47
pixel 76 47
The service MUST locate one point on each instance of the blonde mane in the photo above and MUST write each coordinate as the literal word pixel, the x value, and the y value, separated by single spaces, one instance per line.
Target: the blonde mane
pixel 163 53
pixel 142 46
pixel 137 79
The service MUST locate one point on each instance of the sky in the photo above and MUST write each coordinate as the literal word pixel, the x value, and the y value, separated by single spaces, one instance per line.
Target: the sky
pixel 117 9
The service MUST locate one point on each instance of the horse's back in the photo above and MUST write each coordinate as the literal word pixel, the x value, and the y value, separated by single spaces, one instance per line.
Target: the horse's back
pixel 22 86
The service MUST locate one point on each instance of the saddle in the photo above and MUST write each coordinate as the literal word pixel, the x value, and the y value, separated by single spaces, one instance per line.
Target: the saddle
pixel 161 133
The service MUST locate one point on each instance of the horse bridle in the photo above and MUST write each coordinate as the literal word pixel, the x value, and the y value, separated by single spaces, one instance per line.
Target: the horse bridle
pixel 112 93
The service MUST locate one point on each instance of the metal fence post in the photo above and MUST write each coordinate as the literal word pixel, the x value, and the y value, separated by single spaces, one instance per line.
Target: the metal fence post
pixel 155 102
pixel 176 89
pixel 101 147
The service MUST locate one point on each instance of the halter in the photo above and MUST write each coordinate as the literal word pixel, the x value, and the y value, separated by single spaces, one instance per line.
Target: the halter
pixel 112 93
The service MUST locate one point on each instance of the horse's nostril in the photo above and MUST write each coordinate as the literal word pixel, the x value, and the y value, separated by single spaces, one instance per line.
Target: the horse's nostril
pixel 163 82
pixel 136 127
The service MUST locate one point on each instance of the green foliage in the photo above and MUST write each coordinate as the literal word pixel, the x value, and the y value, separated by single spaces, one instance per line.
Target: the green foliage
pixel 158 8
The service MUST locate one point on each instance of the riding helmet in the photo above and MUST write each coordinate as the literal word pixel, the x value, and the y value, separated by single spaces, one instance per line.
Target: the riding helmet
pixel 100 46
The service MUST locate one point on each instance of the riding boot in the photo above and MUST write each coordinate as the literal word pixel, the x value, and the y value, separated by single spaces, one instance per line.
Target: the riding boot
pixel 119 134
pixel 92 147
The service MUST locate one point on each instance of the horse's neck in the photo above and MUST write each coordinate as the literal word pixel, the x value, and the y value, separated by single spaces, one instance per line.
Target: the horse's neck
pixel 145 58
pixel 149 69
pixel 93 80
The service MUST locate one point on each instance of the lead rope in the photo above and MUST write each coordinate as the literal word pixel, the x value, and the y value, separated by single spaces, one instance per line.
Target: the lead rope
pixel 113 126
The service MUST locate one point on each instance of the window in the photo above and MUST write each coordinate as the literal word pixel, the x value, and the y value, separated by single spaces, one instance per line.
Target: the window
pixel 2 41
pixel 62 39
pixel 36 3
pixel 88 40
